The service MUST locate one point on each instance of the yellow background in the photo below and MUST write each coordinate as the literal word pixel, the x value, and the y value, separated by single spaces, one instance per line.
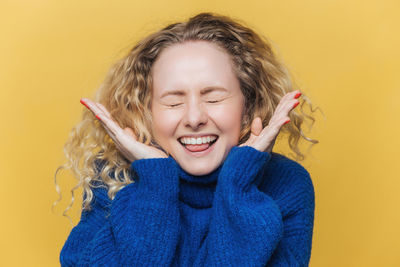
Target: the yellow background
pixel 343 54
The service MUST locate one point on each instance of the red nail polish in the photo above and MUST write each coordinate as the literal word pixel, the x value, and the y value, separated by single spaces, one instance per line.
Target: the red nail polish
pixel 297 95
pixel 286 122
pixel 98 117
pixel 295 105
pixel 83 103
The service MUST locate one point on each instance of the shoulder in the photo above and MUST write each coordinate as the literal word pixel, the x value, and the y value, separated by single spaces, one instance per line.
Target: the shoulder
pixel 100 197
pixel 282 165
pixel 289 184
pixel 99 187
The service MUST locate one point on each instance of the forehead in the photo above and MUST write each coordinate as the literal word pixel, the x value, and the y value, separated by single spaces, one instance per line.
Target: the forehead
pixel 193 64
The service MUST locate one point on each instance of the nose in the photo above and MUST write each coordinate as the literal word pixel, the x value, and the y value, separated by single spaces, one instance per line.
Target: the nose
pixel 195 116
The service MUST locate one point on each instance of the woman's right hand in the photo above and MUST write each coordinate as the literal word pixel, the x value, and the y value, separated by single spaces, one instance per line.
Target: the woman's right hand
pixel 124 139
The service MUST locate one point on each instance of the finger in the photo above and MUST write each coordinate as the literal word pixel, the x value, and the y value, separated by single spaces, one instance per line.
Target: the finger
pixel 271 131
pixel 264 138
pixel 256 126
pixel 101 119
pixel 284 110
pixel 102 114
pixel 91 106
pixel 255 130
pixel 298 94
pixel 290 95
pixel 117 134
pixel 285 121
pixel 111 126
pixel 290 105
pixel 287 98
pixel 101 107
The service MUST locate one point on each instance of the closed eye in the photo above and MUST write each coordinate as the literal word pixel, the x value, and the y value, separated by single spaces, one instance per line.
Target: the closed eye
pixel 213 101
pixel 175 105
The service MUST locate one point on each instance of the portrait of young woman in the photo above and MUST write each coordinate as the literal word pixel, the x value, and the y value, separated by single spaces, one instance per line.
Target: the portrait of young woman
pixel 175 155
pixel 199 133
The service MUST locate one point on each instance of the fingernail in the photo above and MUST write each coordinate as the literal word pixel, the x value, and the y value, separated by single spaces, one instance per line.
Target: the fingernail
pixel 295 105
pixel 83 103
pixel 286 122
pixel 297 95
pixel 98 117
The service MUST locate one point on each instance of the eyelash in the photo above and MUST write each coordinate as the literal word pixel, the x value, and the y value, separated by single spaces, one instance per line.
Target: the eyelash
pixel 211 102
pixel 175 105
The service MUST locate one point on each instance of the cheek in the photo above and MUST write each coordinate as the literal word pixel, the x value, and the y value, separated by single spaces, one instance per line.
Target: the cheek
pixel 164 124
pixel 228 119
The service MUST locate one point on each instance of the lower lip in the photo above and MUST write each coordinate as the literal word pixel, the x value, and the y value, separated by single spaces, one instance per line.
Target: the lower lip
pixel 200 153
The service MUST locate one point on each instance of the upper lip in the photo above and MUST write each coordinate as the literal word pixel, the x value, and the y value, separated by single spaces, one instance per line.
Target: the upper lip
pixel 197 135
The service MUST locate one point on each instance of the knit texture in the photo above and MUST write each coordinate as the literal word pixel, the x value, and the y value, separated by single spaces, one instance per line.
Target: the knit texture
pixel 256 209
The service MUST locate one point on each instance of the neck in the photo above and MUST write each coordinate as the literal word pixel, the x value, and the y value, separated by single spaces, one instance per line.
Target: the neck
pixel 197 191
pixel 199 179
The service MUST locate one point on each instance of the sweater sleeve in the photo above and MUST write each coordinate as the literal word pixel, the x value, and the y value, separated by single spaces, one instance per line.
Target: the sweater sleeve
pixel 142 228
pixel 247 227
pixel 145 217
pixel 298 206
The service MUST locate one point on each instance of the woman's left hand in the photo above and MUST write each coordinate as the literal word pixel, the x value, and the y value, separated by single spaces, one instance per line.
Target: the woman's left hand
pixel 264 139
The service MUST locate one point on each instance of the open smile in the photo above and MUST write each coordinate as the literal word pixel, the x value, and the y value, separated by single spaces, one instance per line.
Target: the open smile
pixel 199 150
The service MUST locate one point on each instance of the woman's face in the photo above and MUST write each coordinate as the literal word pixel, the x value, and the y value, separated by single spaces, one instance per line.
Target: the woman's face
pixel 196 99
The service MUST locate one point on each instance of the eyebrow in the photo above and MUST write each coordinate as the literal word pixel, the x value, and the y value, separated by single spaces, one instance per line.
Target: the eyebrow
pixel 203 91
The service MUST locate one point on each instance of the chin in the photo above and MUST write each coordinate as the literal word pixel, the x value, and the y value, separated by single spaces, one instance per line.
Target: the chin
pixel 199 170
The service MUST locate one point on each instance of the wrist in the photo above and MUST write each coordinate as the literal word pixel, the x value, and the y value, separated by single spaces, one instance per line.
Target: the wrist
pixel 242 166
pixel 157 175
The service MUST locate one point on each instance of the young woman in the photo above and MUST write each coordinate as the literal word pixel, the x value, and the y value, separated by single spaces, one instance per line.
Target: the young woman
pixel 177 162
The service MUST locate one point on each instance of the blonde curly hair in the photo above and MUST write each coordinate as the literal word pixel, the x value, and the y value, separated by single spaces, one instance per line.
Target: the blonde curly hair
pixel 126 92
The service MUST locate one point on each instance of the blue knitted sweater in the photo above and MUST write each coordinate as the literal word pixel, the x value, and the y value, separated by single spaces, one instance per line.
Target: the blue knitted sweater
pixel 256 209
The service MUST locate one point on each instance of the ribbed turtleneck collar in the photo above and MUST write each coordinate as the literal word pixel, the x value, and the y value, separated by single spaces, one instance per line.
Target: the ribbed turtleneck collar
pixel 197 191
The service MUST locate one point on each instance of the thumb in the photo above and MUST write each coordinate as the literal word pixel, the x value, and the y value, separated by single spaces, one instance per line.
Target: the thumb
pixel 256 126
pixel 130 132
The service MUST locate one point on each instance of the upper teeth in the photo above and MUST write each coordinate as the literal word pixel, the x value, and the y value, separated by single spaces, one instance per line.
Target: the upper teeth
pixel 198 140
